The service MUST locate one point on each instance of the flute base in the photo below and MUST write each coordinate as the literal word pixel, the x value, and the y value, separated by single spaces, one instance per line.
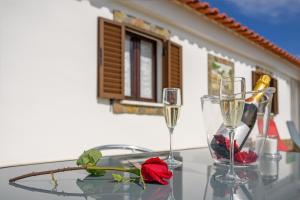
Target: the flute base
pixel 231 179
pixel 172 163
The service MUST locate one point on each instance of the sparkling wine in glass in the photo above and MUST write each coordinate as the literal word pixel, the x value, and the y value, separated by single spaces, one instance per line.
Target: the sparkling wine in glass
pixel 232 100
pixel 172 104
pixel 232 111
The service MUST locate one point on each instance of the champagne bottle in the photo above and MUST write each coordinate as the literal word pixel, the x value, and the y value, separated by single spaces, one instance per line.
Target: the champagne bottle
pixel 243 131
pixel 251 108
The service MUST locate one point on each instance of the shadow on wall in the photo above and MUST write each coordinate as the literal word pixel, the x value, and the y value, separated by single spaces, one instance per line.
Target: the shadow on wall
pixel 100 4
pixel 223 52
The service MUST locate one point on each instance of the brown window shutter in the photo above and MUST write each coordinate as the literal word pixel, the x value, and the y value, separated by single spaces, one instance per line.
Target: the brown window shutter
pixel 255 77
pixel 172 65
pixel 274 109
pixel 111 39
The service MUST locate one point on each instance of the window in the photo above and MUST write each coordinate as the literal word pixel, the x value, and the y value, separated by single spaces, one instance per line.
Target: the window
pixel 273 83
pixel 140 68
pixel 134 64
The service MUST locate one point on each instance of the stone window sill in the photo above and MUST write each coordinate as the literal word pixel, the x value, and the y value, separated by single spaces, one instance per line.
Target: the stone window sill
pixel 137 107
pixel 141 103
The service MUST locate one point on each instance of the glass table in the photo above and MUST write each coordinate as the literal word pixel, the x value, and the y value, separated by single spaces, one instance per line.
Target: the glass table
pixel 272 179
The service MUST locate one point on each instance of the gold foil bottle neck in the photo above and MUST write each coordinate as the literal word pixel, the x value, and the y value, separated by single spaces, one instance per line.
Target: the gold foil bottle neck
pixel 262 83
pixel 265 79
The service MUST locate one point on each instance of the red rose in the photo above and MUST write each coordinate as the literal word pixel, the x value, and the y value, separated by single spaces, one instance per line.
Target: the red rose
pixel 155 170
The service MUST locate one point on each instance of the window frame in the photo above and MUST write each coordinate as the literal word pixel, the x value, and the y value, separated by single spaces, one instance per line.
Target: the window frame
pixel 135 52
pixel 110 79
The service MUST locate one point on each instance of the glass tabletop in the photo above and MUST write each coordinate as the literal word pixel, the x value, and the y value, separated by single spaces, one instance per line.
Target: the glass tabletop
pixel 194 180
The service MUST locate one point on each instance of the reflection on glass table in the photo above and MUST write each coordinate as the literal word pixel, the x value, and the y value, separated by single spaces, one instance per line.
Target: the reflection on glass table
pixel 91 187
pixel 270 180
pixel 95 188
pixel 219 190
pixel 273 178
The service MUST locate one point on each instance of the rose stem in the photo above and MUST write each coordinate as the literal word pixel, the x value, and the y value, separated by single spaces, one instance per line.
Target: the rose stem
pixel 67 169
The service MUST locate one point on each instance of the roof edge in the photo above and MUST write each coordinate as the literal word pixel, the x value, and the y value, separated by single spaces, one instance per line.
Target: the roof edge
pixel 226 21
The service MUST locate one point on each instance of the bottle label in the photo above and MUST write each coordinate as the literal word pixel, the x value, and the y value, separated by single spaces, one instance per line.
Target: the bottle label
pixel 241 132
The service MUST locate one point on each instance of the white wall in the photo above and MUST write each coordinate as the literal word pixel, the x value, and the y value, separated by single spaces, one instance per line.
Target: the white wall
pixel 48 68
pixel 295 101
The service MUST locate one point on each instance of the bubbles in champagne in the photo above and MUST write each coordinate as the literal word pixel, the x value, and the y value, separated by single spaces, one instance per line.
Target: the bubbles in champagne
pixel 232 111
pixel 171 115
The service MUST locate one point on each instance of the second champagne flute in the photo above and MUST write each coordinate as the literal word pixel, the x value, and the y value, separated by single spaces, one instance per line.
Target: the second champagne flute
pixel 232 100
pixel 172 104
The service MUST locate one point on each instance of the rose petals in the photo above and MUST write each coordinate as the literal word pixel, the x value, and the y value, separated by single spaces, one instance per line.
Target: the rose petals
pixel 156 170
pixel 218 145
pixel 245 157
pixel 236 147
pixel 221 145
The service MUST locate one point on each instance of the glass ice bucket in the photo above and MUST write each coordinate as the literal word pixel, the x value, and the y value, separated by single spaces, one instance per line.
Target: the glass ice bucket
pixel 251 133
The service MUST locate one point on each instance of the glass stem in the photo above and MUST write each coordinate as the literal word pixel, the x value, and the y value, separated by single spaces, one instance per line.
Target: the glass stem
pixel 231 193
pixel 231 168
pixel 171 155
pixel 171 183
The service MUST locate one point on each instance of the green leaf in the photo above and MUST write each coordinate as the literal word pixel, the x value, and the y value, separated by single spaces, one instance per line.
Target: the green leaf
pixel 215 66
pixel 90 157
pixel 135 171
pixel 118 177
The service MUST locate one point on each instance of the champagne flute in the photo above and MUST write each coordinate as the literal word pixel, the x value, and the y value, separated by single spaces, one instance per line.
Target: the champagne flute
pixel 232 99
pixel 172 104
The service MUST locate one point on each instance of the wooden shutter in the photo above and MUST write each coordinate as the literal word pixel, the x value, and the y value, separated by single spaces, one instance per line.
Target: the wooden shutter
pixel 274 109
pixel 273 83
pixel 111 39
pixel 255 77
pixel 172 65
